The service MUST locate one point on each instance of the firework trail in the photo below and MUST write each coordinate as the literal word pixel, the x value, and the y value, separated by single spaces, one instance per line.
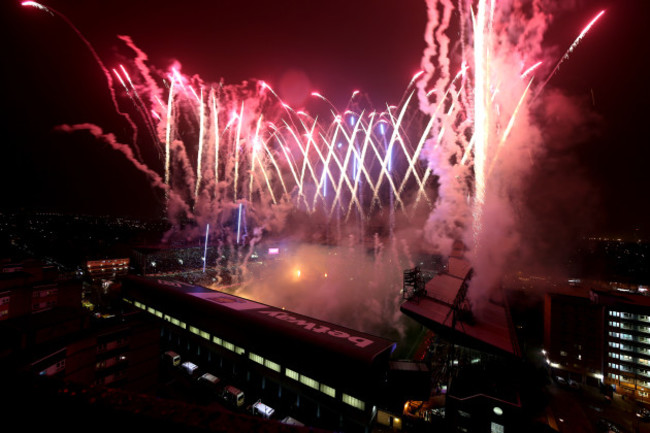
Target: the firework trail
pixel 99 61
pixel 570 50
pixel 252 151
pixel 479 146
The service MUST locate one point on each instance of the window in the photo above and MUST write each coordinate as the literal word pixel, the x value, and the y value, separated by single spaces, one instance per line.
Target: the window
pixel 228 345
pixel 563 353
pixel 292 374
pixel 255 358
pixel 272 365
pixel 308 381
pixel 205 335
pixel 354 402
pixel 194 330
pixel 496 428
pixel 217 340
pixel 239 350
pixel 328 390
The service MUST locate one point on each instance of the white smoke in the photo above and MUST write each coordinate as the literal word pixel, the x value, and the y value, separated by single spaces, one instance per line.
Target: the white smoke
pixel 481 201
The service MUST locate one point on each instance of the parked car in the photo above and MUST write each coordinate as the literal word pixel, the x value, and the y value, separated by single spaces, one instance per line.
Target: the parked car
pixel 643 413
pixel 233 395
pixel 574 385
pixel 172 358
pixel 263 410
pixel 190 368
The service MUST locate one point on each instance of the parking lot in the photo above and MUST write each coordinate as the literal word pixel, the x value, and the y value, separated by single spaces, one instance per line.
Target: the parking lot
pixel 191 383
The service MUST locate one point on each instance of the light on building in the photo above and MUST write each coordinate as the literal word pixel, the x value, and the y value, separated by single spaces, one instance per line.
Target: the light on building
pixel 497 410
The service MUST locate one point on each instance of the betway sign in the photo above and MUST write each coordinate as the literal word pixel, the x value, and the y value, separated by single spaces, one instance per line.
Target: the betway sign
pixel 318 329
pixel 241 304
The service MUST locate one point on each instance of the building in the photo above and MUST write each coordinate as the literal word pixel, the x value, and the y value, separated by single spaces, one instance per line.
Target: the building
pixel 321 373
pixel 107 269
pixel 601 336
pixel 483 359
pixel 626 318
pixel 31 287
pixel 46 332
pixel 574 337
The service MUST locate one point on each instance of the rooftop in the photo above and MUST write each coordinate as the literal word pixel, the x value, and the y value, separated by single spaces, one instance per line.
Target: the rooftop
pixel 489 326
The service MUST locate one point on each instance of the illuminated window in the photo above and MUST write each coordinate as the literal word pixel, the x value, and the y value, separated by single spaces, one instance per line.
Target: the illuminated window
pixel 205 335
pixel 194 330
pixel 217 340
pixel 167 318
pixel 308 381
pixel 182 324
pixel 272 365
pixel 255 358
pixel 228 345
pixel 496 428
pixel 151 310
pixel 327 390
pixel 354 402
pixel 159 314
pixel 292 374
pixel 239 350
pixel 175 321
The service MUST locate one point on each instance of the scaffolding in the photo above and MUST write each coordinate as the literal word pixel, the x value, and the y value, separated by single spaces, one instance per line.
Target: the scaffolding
pixel 413 287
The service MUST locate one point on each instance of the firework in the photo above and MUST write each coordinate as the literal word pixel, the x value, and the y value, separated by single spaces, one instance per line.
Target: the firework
pixel 249 149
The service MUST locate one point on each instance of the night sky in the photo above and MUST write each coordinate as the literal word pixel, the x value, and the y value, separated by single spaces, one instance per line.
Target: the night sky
pixel 595 179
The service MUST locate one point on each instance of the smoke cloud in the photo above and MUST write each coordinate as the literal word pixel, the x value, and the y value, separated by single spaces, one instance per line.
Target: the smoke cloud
pixel 495 137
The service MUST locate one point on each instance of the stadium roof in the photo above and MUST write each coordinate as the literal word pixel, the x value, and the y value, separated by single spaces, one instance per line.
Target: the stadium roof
pixel 490 327
pixel 287 337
